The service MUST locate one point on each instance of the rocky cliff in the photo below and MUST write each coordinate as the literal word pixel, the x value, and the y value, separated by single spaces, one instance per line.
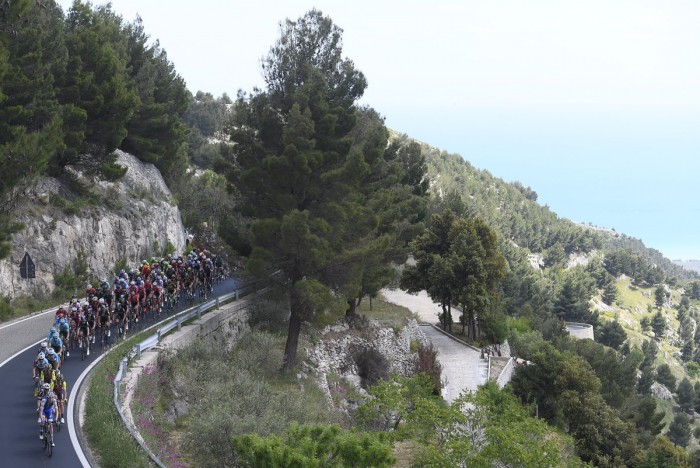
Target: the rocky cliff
pixel 125 220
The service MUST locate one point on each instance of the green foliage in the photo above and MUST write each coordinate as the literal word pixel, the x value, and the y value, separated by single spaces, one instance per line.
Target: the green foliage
pixel 572 302
pixel 568 394
pixel 398 404
pixel 244 380
pixel 74 278
pixel 428 364
pixel 508 208
pixel 611 333
pixel 494 430
pixel 308 179
pixel 692 368
pixel 458 262
pixel 634 265
pixel 679 430
pixel 105 431
pixel 313 446
pixel 664 454
pixel 659 296
pixel 665 376
pixel 686 395
pixel 6 310
pixel 658 325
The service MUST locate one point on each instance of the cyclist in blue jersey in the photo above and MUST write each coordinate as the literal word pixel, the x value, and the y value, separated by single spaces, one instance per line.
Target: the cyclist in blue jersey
pixel 46 410
pixel 55 345
pixel 64 333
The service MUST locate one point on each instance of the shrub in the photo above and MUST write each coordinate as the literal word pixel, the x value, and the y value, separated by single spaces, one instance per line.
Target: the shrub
pixel 267 315
pixel 428 364
pixel 372 366
pixel 6 310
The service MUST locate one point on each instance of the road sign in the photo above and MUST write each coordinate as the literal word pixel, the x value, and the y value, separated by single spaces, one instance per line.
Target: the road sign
pixel 26 267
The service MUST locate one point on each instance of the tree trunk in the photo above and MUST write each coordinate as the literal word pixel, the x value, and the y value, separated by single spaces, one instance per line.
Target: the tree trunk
pixel 449 317
pixel 443 317
pixel 295 319
pixel 350 315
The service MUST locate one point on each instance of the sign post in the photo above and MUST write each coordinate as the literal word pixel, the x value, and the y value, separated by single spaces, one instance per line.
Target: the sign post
pixel 27 270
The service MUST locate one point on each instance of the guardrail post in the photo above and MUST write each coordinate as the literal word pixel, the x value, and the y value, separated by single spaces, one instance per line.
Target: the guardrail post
pixel 199 312
pixel 236 294
pixel 138 351
pixel 159 335
pixel 217 302
pixel 179 323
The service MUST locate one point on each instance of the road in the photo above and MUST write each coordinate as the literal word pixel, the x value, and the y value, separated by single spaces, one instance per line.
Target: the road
pixel 19 432
pixel 462 366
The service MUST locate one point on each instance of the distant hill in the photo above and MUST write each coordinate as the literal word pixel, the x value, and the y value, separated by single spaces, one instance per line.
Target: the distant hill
pixel 692 265
pixel 513 210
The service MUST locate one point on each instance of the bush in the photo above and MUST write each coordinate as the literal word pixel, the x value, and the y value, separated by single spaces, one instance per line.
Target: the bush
pixel 238 391
pixel 267 315
pixel 6 310
pixel 428 364
pixel 372 366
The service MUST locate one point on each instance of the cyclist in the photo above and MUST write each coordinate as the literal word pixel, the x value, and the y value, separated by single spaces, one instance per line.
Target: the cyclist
pixel 55 342
pixel 60 389
pixel 42 347
pixel 64 333
pixel 37 368
pixel 83 330
pixel 60 313
pixel 46 409
pixel 92 323
pixel 104 317
pixel 42 392
pixel 46 375
pixel 53 332
pixel 53 358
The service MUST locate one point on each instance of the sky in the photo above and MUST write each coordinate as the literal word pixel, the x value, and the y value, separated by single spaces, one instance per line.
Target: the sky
pixel 594 104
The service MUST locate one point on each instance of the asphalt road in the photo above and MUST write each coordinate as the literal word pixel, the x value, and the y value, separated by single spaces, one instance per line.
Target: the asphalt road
pixel 19 431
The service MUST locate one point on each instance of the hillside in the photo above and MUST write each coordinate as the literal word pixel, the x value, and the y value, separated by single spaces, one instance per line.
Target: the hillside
pixel 512 209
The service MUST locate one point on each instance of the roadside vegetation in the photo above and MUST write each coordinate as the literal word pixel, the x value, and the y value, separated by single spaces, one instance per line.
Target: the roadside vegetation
pixel 107 436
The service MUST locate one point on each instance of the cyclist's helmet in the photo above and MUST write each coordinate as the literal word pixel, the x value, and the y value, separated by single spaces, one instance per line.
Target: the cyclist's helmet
pixel 50 351
pixel 46 386
pixel 41 356
pixel 102 300
pixel 44 344
pixel 58 372
pixel 53 329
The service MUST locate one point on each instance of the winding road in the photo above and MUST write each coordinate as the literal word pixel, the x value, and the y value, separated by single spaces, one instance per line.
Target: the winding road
pixel 19 432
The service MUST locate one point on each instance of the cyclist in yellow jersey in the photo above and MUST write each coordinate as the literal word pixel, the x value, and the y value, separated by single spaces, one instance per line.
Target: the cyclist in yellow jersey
pixel 60 388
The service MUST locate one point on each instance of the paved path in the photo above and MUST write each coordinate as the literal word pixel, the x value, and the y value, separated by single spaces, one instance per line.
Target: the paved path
pixel 462 366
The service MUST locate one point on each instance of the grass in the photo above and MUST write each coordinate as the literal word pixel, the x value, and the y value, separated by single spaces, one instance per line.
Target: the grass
pixel 109 439
pixel 386 313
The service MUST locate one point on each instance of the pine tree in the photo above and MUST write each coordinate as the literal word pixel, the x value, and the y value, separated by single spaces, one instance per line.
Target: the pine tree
pixel 297 169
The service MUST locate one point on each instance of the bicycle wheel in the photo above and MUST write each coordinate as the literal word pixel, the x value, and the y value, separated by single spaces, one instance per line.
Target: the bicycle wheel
pixel 49 445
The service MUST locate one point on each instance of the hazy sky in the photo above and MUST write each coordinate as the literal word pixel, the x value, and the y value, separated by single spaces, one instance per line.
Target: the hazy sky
pixel 594 104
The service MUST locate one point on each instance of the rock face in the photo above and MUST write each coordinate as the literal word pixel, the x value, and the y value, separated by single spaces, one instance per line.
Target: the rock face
pixel 333 355
pixel 136 212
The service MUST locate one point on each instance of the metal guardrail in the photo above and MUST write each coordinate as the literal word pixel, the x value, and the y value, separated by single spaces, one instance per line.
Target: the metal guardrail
pixel 174 322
